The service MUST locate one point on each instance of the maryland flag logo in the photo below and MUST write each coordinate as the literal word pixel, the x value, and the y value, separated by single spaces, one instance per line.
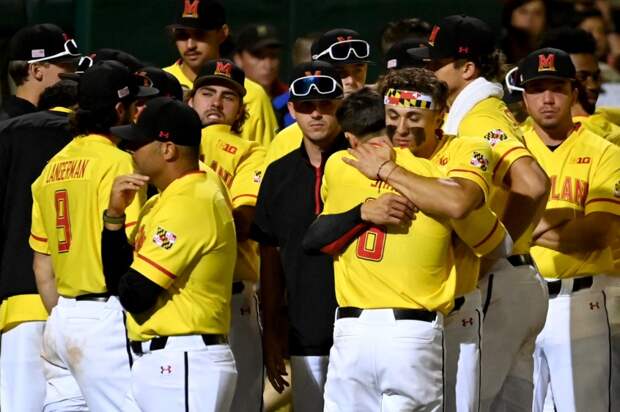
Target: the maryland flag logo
pixel 478 160
pixel 190 9
pixel 164 238
pixel 546 63
pixel 405 98
pixel 258 176
pixel 617 189
pixel 495 136
pixel 223 69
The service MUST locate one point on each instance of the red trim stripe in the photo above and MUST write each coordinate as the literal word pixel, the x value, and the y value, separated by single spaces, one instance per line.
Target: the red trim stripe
pixel 130 224
pixel 238 196
pixel 40 239
pixel 600 199
pixel 499 161
pixel 155 265
pixel 487 237
pixel 472 172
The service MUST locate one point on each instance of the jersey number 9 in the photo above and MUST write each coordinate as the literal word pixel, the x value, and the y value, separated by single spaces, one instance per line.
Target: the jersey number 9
pixel 63 222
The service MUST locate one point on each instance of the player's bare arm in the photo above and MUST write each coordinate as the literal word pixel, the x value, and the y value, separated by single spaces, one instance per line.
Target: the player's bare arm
pixel 332 233
pixel 529 189
pixel 46 282
pixel 588 233
pixel 272 295
pixel 123 192
pixel 244 216
pixel 452 198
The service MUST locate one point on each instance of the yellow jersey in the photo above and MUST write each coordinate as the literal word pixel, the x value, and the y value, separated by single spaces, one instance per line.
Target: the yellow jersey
pixel 69 198
pixel 585 178
pixel 284 143
pixel 239 163
pixel 393 266
pixel 261 124
pixel 599 125
pixel 185 242
pixel 481 231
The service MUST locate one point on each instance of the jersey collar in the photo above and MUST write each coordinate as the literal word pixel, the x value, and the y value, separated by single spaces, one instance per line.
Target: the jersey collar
pixel 178 184
pixel 218 128
pixel 98 138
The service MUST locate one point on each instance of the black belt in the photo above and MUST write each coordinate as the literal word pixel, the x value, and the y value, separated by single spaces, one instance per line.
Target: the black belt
pixel 237 287
pixel 160 342
pixel 399 314
pixel 94 297
pixel 521 260
pixel 458 302
pixel 578 284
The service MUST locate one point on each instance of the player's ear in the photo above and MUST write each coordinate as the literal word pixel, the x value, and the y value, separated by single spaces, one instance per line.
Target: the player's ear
pixel 222 34
pixel 168 151
pixel 35 72
pixel 469 71
pixel 291 109
pixel 120 112
pixel 353 140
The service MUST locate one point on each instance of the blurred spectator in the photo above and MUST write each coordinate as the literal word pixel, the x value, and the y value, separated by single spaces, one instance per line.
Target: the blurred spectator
pixel 593 22
pixel 408 28
pixel 523 21
pixel 301 48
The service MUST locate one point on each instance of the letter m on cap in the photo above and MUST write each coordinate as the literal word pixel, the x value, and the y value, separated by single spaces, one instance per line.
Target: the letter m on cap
pixel 546 63
pixel 223 68
pixel 190 8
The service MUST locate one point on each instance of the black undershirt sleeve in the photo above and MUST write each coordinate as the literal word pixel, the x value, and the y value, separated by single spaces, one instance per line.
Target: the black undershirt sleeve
pixel 332 233
pixel 137 293
pixel 116 255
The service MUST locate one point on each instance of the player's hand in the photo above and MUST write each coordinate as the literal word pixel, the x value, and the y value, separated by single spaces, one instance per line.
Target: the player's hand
pixel 369 157
pixel 274 361
pixel 124 190
pixel 389 209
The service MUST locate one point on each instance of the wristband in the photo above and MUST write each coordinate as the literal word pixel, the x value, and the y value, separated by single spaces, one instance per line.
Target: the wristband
pixel 390 173
pixel 113 220
pixel 381 167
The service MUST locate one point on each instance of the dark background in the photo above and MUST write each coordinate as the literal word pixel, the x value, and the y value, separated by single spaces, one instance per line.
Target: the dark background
pixel 137 26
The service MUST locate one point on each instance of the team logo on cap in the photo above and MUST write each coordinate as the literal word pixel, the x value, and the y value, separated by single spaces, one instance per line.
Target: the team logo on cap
pixel 190 9
pixel 478 160
pixel 223 69
pixel 463 50
pixel 617 189
pixel 433 36
pixel 546 63
pixel 495 136
pixel 164 135
pixel 164 238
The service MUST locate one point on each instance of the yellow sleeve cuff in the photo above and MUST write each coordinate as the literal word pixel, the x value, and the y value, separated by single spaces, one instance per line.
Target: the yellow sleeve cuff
pixel 505 162
pixel 39 244
pixel 603 204
pixel 472 175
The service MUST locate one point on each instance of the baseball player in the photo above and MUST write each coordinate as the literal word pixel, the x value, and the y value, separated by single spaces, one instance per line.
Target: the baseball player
pixel 85 333
pixel 217 97
pixel 198 33
pixel 174 272
pixel 571 242
pixel 26 144
pixel 37 55
pixel 288 202
pixel 461 52
pixel 350 54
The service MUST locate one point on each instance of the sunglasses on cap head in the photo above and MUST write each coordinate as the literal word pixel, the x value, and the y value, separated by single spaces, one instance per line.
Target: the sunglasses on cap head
pixel 70 49
pixel 342 50
pixel 512 79
pixel 321 84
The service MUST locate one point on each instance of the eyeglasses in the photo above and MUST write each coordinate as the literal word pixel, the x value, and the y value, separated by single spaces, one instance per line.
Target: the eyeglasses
pixel 70 49
pixel 512 79
pixel 343 50
pixel 321 84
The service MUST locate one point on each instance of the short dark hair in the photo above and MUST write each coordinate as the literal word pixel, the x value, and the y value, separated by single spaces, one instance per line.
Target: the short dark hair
pixel 489 65
pixel 571 40
pixel 98 120
pixel 362 113
pixel 416 79
pixel 402 29
pixel 62 93
pixel 18 70
pixel 579 18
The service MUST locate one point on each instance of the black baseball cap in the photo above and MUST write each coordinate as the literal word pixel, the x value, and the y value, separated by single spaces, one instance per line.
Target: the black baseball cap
pixel 397 57
pixel 167 84
pixel 458 37
pixel 222 72
pixel 546 63
pixel 315 80
pixel 42 42
pixel 129 60
pixel 341 46
pixel 163 119
pixel 200 14
pixel 109 82
pixel 257 36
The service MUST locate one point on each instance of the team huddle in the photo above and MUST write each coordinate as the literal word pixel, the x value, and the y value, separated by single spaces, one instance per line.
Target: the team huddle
pixel 402 246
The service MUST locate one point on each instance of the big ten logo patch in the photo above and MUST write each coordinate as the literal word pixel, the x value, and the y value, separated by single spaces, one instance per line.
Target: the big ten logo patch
pixel 226 176
pixel 228 148
pixel 190 9
pixel 137 245
pixel 546 63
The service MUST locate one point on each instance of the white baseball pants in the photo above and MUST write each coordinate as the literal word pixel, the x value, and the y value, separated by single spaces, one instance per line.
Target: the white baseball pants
pixel 380 364
pixel 573 351
pixel 22 381
pixel 86 340
pixel 186 375
pixel 308 376
pixel 516 310
pixel 463 331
